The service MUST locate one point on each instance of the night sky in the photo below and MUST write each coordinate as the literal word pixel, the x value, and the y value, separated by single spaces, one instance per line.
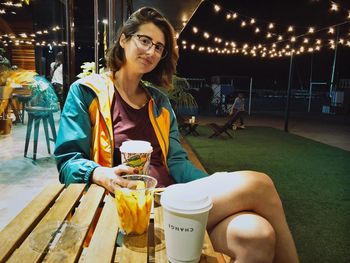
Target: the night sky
pixel 267 72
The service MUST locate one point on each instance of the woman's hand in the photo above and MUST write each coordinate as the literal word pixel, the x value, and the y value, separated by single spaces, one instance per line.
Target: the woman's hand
pixel 110 178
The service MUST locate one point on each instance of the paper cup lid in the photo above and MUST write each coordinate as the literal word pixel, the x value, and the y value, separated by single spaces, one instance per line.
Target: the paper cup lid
pixel 135 146
pixel 183 199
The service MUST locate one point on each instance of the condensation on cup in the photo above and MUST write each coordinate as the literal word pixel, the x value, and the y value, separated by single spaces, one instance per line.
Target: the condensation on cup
pixel 185 216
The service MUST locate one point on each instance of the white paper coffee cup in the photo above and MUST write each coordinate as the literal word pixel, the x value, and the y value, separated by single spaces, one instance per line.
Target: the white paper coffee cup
pixel 136 154
pixel 185 216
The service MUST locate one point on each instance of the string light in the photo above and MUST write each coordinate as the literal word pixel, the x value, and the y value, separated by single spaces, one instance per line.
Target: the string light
pixel 217 8
pixel 271 25
pixel 273 51
pixel 39 32
pixel 301 43
pixel 23 38
pixel 11 4
pixel 334 7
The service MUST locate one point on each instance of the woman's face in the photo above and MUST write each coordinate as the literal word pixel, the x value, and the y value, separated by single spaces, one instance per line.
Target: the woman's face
pixel 144 49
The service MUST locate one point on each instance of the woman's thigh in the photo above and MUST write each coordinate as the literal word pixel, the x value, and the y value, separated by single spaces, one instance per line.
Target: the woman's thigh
pixel 234 192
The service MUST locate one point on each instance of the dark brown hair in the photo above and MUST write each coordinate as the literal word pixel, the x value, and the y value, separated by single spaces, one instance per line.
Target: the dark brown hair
pixel 162 74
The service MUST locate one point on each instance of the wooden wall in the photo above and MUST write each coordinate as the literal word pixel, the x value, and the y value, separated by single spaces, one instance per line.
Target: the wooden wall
pixel 23 57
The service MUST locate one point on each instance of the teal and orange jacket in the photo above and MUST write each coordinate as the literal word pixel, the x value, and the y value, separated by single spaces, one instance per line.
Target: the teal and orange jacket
pixel 85 136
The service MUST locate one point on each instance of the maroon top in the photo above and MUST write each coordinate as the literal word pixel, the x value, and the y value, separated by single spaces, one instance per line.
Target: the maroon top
pixel 134 124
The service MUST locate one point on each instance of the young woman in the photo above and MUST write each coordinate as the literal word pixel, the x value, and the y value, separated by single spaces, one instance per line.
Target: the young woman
pixel 247 221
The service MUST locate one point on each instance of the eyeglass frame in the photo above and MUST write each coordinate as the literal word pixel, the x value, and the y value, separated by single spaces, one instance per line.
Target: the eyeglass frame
pixel 164 52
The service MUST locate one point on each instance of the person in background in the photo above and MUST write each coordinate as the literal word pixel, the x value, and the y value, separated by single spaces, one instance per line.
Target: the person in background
pixel 56 73
pixel 247 221
pixel 238 109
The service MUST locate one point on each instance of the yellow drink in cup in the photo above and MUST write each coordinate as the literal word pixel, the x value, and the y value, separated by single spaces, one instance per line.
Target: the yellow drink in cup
pixel 134 204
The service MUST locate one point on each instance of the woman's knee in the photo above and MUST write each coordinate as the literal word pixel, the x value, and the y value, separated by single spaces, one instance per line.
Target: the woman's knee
pixel 254 238
pixel 259 186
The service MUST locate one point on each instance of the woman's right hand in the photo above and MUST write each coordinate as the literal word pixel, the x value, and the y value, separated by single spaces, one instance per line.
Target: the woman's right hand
pixel 110 178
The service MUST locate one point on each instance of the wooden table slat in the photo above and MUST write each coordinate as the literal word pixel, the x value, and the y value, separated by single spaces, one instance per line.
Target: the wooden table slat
pixel 134 249
pixel 106 231
pixel 58 212
pixel 82 218
pixel 208 252
pixel 16 231
pixel 128 253
pixel 160 250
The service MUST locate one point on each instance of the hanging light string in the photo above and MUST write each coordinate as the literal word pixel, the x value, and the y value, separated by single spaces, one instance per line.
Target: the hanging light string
pixel 248 21
pixel 303 37
pixel 274 49
pixel 30 38
pixel 260 50
pixel 271 49
pixel 10 5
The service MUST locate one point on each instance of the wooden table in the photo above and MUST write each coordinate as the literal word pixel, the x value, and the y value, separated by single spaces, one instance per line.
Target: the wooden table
pixel 93 232
pixel 191 127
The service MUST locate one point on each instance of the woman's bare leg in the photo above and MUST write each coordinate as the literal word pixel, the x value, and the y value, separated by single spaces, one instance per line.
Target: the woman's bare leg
pixel 237 192
pixel 245 237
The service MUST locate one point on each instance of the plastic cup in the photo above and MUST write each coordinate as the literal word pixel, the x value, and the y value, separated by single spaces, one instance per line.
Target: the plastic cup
pixel 136 154
pixel 185 216
pixel 134 204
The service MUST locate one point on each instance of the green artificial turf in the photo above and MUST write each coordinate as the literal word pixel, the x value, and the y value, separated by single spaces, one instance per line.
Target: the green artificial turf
pixel 313 180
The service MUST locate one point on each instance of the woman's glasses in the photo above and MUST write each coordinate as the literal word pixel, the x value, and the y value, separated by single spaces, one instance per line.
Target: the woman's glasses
pixel 146 43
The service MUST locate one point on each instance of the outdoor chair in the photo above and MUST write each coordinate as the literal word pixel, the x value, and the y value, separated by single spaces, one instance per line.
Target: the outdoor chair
pixel 181 122
pixel 35 114
pixel 42 105
pixel 219 129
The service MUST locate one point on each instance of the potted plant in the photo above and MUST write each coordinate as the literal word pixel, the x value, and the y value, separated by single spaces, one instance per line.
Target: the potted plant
pixel 185 103
pixel 88 69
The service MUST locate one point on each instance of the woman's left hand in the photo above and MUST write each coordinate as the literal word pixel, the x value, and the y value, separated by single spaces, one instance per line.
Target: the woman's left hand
pixel 110 177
